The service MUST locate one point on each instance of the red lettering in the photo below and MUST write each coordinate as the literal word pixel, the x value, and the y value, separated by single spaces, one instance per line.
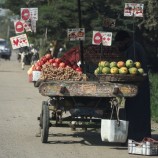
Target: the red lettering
pixel 19 27
pixel 97 38
pixel 16 42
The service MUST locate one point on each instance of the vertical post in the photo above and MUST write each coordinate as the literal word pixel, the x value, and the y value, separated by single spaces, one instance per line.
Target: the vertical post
pixel 81 42
pixel 8 30
pixel 134 37
pixel 101 51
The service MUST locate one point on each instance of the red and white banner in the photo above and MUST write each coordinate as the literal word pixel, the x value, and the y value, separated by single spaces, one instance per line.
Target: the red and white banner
pixel 34 13
pixel 19 41
pixel 21 25
pixel 27 26
pixel 76 34
pixel 29 14
pixel 134 9
pixel 25 14
pixel 33 25
pixel 106 38
pixel 102 37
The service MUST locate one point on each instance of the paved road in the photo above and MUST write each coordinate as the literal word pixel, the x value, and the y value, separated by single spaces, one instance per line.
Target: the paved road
pixel 20 104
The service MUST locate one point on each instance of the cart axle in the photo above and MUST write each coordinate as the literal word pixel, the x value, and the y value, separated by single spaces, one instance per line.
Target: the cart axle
pixel 76 125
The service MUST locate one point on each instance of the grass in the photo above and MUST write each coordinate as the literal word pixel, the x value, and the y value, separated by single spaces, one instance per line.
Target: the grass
pixel 154 95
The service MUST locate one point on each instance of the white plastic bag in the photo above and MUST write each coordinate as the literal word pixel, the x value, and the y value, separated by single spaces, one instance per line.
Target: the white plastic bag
pixel 114 130
pixel 36 75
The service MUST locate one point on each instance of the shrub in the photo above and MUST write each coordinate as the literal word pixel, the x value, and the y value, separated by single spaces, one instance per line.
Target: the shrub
pixel 154 95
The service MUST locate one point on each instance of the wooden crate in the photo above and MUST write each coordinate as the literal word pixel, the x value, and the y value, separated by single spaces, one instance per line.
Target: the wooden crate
pixel 120 78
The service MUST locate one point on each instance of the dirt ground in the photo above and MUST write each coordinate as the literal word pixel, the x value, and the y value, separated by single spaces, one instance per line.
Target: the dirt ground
pixel 20 105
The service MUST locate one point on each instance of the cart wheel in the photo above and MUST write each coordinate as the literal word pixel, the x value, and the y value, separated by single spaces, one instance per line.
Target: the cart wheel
pixel 44 122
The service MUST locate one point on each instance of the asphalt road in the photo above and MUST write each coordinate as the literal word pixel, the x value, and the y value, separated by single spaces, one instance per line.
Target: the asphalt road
pixel 20 105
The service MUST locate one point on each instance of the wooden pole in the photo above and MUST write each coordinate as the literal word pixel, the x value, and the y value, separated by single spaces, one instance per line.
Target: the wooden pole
pixel 81 42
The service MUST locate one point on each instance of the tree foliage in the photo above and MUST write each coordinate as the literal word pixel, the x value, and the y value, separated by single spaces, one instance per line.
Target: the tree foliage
pixel 56 16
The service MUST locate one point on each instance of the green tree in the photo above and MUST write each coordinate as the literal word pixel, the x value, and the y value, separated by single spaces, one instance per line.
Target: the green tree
pixel 56 16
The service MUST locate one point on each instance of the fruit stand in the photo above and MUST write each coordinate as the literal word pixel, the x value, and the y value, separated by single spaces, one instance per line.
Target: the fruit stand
pixel 87 97
pixel 87 101
pixel 82 100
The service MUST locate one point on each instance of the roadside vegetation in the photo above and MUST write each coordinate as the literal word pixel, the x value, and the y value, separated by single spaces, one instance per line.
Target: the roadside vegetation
pixel 154 96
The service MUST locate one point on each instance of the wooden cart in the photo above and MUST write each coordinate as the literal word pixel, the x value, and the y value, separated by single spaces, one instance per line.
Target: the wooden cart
pixel 86 101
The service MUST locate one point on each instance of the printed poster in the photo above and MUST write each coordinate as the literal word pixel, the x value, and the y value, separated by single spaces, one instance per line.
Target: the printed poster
pixel 134 9
pixel 33 25
pixel 29 14
pixel 139 9
pixel 106 38
pixel 76 34
pixel 34 13
pixel 27 26
pixel 19 41
pixel 102 37
pixel 21 25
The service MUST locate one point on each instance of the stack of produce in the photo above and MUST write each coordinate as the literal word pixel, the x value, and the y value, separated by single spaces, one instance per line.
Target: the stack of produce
pixel 51 72
pixel 56 69
pixel 120 67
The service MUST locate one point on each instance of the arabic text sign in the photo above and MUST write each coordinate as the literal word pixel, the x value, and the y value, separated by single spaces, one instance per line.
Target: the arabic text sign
pixel 106 38
pixel 20 25
pixel 102 37
pixel 25 14
pixel 29 14
pixel 27 26
pixel 34 13
pixel 76 34
pixel 133 9
pixel 19 41
pixel 33 25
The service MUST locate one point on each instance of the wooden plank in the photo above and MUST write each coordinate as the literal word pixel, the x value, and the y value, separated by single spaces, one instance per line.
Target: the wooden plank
pixel 87 89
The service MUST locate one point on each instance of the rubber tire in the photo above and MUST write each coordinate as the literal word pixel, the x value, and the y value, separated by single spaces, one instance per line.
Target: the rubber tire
pixel 45 122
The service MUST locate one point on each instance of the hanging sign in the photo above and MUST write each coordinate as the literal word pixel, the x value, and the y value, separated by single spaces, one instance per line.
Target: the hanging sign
pixel 133 9
pixel 139 9
pixel 106 38
pixel 19 27
pixel 25 14
pixel 19 41
pixel 34 13
pixel 97 38
pixel 27 26
pixel 29 14
pixel 76 34
pixel 33 25
pixel 102 37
